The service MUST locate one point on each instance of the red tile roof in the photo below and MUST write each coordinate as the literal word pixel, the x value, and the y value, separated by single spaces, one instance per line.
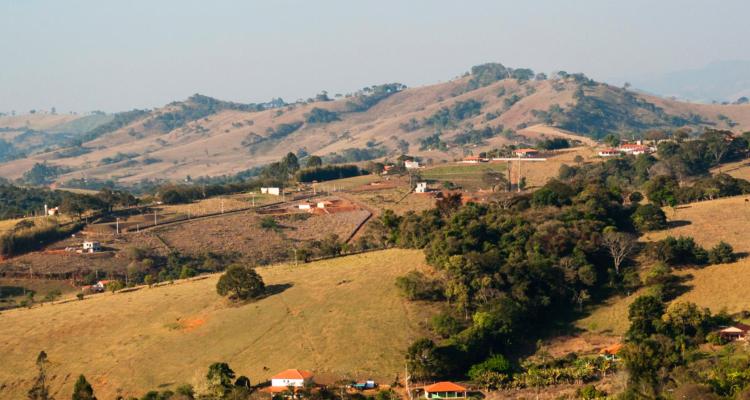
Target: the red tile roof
pixel 293 374
pixel 444 387
pixel 612 350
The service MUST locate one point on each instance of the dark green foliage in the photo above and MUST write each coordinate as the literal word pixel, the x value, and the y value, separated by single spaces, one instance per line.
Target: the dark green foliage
pixel 269 223
pixel 18 242
pixel 82 390
pixel 219 379
pixel 240 283
pixel 489 73
pixel 648 217
pixel 42 174
pixel 644 315
pixel 496 363
pixel 410 126
pixel 553 193
pixel 722 253
pixel 449 117
pixel 477 136
pixel 321 116
pixel 677 251
pixel 553 144
pixel 328 172
pixel 19 201
pixel 356 155
pixel 433 142
pixel 313 162
pixel 424 360
pixel 368 97
pixel 417 286
pixel 444 324
pixel 283 130
pixel 196 107
pixel 118 157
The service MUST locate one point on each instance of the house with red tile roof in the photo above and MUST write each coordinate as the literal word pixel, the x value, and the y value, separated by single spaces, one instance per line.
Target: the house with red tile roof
pixel 445 390
pixel 290 378
pixel 526 153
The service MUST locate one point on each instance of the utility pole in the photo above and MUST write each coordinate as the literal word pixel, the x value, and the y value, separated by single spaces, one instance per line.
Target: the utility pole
pixel 117 226
pixel 154 217
pixel 406 381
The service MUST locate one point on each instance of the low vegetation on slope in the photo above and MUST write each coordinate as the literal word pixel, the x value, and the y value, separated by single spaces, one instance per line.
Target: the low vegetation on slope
pixel 161 337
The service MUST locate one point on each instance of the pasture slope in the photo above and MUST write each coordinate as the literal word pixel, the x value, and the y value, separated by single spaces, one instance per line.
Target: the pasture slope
pixel 128 343
pixel 717 287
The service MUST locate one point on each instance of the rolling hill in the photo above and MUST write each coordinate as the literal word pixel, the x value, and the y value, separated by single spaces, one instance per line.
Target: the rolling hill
pixel 160 337
pixel 202 136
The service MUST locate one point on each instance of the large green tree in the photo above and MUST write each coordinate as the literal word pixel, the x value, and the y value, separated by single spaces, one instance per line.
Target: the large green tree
pixel 240 283
pixel 82 390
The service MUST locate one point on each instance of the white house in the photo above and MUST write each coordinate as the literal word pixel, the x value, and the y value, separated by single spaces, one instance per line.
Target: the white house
pixel 421 187
pixel 271 190
pixel 291 377
pixel 609 153
pixel 91 246
pixel 99 286
pixel 305 206
pixel 411 164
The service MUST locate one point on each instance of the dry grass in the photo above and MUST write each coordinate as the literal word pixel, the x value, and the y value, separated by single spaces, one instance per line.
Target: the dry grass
pixel 161 337
pixel 709 222
pixel 716 287
pixel 738 169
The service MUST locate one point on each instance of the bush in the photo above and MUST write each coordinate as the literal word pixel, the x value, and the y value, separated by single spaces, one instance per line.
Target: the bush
pixel 722 253
pixel 677 251
pixel 648 217
pixel 321 116
pixel 240 283
pixel 496 363
pixel 416 286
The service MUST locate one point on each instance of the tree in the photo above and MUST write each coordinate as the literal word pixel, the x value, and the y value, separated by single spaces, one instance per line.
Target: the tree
pixel 619 245
pixel 449 204
pixel 422 359
pixel 722 253
pixel 114 286
pixel 240 283
pixel 219 379
pixel 83 390
pixel 290 163
pixel 40 390
pixel 494 179
pixel 645 317
pixel 648 217
pixel 314 162
pixel 717 143
pixel 612 140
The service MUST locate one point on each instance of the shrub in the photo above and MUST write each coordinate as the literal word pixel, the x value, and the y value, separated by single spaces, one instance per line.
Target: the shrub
pixel 722 253
pixel 648 217
pixel 416 286
pixel 321 116
pixel 240 283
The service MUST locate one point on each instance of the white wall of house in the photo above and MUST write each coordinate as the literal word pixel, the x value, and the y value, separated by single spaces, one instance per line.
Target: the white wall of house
pixel 287 382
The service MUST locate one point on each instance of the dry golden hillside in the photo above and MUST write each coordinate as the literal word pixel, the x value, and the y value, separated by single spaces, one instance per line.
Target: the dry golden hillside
pixel 231 139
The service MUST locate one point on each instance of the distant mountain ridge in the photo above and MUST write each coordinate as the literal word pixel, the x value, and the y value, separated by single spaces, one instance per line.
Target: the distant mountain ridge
pixel 723 81
pixel 490 106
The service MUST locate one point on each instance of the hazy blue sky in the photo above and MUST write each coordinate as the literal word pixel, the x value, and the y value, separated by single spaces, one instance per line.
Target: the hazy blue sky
pixel 118 55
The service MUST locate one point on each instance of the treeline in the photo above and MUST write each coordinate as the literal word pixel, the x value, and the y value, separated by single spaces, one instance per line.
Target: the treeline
pixel 327 173
pixel 680 174
pixel 196 107
pixel 369 96
pixel 18 201
pixel 31 236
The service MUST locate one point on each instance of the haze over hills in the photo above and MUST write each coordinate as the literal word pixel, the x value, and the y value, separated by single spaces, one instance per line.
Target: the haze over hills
pixel 719 81
pixel 486 108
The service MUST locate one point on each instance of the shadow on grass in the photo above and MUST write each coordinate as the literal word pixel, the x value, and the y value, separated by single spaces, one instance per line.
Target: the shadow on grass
pixel 272 290
pixel 677 224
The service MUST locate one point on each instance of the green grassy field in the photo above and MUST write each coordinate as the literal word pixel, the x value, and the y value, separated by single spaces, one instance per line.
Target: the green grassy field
pixel 468 176
pixel 339 318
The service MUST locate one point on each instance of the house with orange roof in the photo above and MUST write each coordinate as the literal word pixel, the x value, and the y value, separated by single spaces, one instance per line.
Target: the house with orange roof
pixel 290 378
pixel 526 153
pixel 445 390
pixel 611 352
pixel 609 153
